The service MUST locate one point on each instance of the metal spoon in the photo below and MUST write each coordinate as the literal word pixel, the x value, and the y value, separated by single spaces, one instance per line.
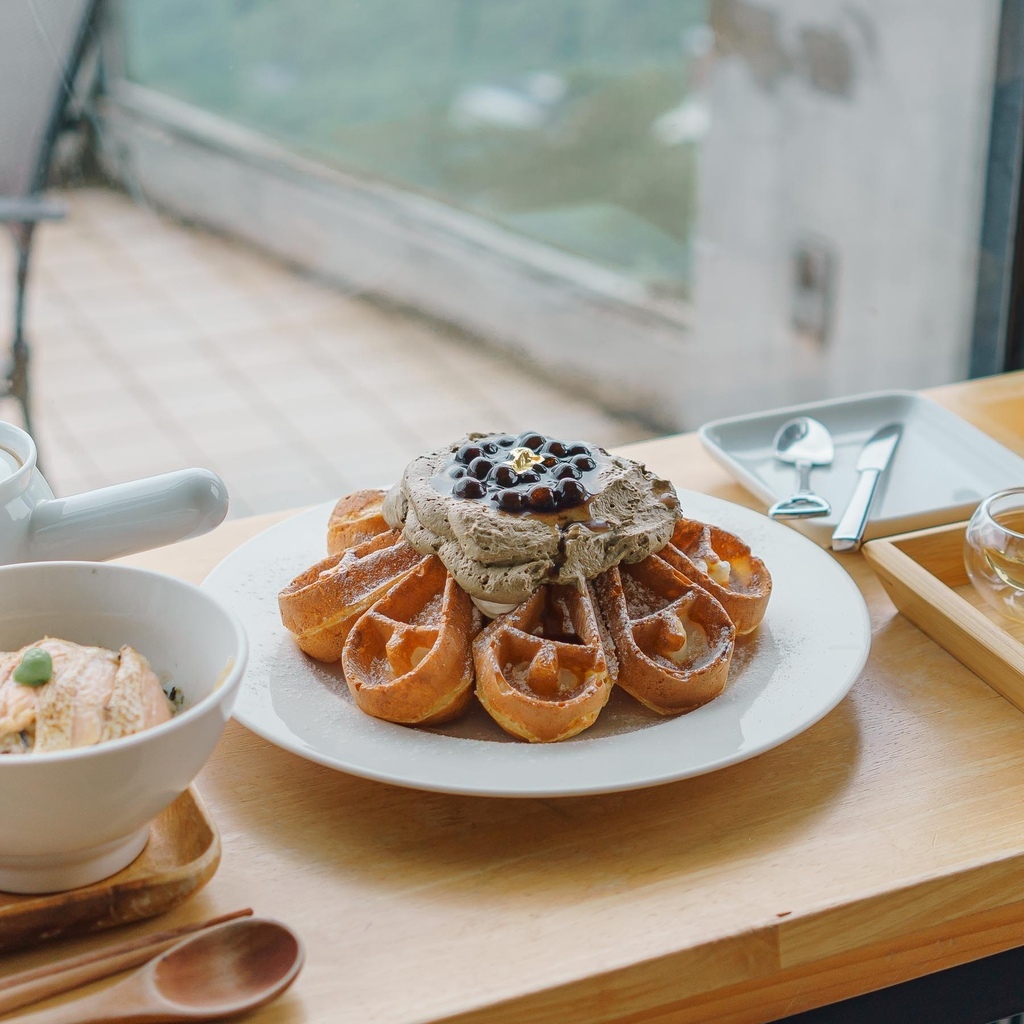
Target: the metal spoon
pixel 803 442
pixel 219 972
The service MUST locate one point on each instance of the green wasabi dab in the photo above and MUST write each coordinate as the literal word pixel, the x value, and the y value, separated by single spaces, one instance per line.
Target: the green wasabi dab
pixel 35 667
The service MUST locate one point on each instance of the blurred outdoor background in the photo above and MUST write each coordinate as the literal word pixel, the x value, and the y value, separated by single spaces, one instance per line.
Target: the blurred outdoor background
pixel 567 122
pixel 306 241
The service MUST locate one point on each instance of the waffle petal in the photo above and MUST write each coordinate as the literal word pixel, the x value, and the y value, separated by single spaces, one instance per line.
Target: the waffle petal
pixel 408 658
pixel 724 566
pixel 354 519
pixel 322 605
pixel 674 641
pixel 541 669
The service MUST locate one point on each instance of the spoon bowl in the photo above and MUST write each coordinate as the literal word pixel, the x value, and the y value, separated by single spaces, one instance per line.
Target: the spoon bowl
pixel 803 442
pixel 220 972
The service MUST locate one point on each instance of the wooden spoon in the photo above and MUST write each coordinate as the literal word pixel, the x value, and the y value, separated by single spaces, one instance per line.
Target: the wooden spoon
pixel 223 971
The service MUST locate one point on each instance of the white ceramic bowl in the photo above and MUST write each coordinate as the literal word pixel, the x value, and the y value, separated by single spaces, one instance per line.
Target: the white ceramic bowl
pixel 72 817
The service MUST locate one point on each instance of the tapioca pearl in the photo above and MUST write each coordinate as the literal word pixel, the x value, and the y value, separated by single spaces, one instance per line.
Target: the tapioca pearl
pixel 503 475
pixel 584 463
pixel 468 452
pixel 490 447
pixel 480 467
pixel 577 448
pixel 570 492
pixel 542 498
pixel 457 472
pixel 549 462
pixel 567 472
pixel 512 500
pixel 531 476
pixel 468 487
pixel 505 441
pixel 553 447
pixel 532 441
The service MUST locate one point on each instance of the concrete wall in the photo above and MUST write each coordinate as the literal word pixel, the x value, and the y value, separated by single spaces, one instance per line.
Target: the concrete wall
pixel 862 130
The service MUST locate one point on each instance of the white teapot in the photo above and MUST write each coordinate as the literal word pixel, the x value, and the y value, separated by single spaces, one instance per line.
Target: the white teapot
pixel 101 524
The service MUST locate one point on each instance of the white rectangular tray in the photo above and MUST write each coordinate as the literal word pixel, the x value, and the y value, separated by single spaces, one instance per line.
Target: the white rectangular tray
pixel 942 468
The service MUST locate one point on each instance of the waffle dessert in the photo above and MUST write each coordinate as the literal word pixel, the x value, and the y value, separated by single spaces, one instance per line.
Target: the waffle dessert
pixel 542 671
pixel 355 518
pixel 725 567
pixel 321 606
pixel 674 641
pixel 407 659
pixel 534 572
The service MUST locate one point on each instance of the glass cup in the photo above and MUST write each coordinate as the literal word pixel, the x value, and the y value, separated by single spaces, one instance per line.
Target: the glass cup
pixel 994 551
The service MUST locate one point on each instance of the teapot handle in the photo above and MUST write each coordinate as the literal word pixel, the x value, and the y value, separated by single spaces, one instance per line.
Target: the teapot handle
pixel 127 518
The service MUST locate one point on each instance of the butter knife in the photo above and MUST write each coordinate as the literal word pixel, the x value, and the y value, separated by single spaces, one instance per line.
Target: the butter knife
pixel 871 464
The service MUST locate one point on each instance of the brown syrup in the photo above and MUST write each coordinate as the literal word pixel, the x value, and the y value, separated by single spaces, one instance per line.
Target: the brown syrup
pixel 559 518
pixel 562 638
pixel 555 620
pixel 540 473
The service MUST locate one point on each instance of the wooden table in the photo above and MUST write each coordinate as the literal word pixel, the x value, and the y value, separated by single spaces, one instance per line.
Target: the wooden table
pixel 885 842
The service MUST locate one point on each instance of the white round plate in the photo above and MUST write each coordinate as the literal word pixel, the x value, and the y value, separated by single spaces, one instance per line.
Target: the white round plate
pixel 792 671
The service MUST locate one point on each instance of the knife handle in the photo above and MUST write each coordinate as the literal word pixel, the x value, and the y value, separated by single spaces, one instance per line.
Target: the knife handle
pixel 848 533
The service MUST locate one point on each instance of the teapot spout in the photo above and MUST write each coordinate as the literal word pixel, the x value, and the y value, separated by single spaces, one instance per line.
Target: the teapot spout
pixel 127 518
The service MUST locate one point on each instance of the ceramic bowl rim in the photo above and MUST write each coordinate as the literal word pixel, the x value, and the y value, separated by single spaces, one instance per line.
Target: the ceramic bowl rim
pixel 230 684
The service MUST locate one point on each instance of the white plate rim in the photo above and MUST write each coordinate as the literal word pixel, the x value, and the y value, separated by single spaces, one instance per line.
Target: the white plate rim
pixel 816 650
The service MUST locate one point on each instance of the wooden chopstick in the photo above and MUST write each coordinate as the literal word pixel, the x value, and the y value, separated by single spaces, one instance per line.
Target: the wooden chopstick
pixel 42 982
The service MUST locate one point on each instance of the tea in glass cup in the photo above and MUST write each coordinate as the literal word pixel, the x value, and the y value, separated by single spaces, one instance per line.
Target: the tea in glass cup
pixel 994 551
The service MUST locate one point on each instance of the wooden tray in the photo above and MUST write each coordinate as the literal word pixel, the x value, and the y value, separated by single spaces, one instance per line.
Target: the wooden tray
pixel 923 572
pixel 181 856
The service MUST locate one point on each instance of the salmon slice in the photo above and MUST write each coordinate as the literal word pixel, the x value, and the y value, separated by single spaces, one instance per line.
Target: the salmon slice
pixel 71 705
pixel 93 695
pixel 17 708
pixel 137 700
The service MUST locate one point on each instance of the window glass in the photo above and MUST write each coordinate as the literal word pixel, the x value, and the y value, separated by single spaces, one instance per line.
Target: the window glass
pixel 574 122
pixel 764 201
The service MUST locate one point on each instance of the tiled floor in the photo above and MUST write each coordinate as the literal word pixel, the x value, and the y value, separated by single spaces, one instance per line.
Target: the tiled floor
pixel 156 347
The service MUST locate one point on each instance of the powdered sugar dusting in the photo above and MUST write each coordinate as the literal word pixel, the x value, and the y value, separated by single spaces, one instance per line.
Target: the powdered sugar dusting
pixel 640 599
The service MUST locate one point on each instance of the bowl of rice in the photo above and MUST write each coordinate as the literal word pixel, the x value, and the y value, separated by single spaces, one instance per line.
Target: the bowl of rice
pixel 115 686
